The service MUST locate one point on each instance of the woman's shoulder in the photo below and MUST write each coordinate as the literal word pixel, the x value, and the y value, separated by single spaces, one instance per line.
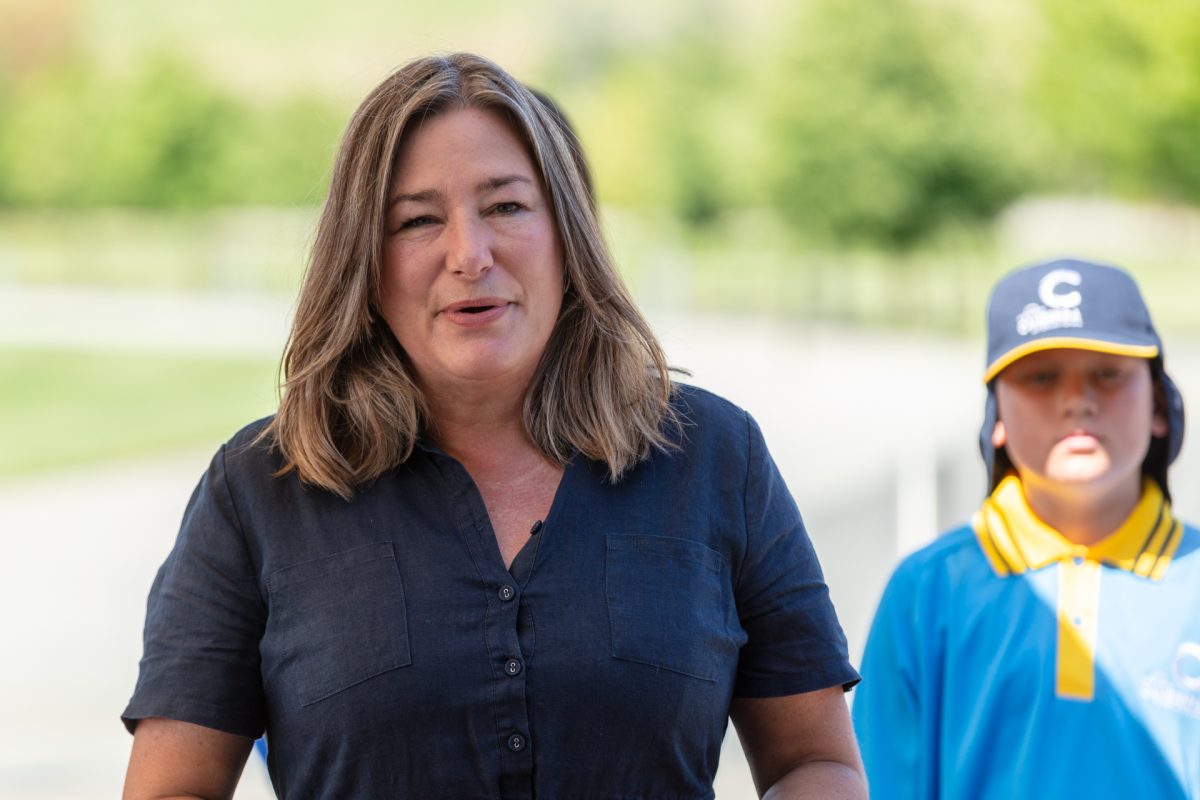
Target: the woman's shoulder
pixel 710 430
pixel 252 436
pixel 250 433
pixel 252 450
pixel 700 407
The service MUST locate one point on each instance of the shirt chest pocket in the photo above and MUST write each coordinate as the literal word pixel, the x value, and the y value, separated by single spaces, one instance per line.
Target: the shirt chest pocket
pixel 669 605
pixel 337 621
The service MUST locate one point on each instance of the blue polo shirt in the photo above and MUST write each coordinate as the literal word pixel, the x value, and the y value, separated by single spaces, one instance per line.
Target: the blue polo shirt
pixel 387 652
pixel 1006 662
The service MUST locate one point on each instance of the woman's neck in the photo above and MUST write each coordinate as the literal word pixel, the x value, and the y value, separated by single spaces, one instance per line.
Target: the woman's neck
pixel 1083 514
pixel 478 423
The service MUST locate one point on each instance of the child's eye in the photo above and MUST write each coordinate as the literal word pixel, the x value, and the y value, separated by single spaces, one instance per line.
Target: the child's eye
pixel 1041 377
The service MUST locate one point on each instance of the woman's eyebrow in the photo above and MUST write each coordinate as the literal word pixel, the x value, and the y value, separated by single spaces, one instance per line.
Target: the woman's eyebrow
pixel 490 184
pixel 422 196
pixel 501 181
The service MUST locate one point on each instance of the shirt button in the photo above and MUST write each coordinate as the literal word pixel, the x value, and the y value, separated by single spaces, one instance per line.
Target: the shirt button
pixel 516 743
pixel 512 667
pixel 507 593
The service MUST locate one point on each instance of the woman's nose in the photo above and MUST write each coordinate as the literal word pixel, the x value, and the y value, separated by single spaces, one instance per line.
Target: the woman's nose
pixel 469 247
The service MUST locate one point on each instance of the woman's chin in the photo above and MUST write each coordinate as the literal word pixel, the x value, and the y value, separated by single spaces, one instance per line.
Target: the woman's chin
pixel 486 368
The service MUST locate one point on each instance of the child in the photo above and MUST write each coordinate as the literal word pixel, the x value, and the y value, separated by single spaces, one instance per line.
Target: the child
pixel 1050 648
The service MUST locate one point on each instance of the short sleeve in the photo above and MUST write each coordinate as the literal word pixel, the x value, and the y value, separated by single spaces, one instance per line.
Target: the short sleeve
pixel 794 642
pixel 204 619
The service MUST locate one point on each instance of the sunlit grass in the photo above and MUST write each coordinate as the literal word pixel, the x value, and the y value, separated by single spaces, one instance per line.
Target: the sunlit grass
pixel 61 409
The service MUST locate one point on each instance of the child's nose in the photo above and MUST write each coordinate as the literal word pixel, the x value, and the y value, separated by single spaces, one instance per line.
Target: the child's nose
pixel 1078 395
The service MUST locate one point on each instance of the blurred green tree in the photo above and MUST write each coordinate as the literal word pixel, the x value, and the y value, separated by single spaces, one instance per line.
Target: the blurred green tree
pixel 699 75
pixel 883 124
pixel 1118 82
pixel 159 136
pixel 656 120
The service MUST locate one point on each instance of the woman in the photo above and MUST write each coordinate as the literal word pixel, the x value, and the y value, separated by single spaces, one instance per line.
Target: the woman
pixel 485 548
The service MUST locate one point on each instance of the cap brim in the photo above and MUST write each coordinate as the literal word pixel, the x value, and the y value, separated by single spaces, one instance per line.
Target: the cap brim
pixel 1067 343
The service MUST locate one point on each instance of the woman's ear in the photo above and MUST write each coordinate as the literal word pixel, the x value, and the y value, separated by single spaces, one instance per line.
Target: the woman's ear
pixel 999 435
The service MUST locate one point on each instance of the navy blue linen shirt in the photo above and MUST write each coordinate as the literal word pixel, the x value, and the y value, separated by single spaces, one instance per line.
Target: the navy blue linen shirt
pixel 388 652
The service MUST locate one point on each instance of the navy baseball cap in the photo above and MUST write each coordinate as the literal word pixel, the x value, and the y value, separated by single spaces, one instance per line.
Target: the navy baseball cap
pixel 1067 304
pixel 1078 305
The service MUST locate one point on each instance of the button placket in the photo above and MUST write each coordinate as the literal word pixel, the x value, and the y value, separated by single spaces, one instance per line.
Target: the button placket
pixel 512 711
pixel 501 631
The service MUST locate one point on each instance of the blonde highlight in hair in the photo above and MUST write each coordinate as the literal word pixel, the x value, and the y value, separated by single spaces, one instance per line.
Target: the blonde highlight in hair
pixel 351 409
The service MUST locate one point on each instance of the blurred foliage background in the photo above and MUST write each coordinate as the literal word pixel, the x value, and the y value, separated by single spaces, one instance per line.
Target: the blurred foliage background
pixel 851 121
pixel 869 162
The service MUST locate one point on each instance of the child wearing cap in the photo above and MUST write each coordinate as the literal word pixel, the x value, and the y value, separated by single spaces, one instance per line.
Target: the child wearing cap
pixel 1051 647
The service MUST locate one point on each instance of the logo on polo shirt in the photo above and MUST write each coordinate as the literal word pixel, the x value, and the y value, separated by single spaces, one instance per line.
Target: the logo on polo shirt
pixel 1186 666
pixel 1059 307
pixel 1178 691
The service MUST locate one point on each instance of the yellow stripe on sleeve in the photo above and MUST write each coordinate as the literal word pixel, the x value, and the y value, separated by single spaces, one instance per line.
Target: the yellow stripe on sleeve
pixel 1078 612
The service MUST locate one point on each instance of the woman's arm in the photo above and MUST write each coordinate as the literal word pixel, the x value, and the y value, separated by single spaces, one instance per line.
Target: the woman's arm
pixel 173 759
pixel 801 746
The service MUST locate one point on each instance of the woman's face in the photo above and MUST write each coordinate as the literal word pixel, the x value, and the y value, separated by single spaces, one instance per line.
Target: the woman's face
pixel 473 267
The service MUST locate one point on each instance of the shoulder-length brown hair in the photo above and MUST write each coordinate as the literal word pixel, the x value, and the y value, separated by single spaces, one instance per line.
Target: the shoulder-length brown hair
pixel 351 409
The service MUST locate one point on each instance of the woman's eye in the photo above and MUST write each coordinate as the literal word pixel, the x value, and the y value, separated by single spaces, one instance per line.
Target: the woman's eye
pixel 507 208
pixel 416 222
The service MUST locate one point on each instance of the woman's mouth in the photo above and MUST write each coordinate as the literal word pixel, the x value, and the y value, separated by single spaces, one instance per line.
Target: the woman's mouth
pixel 475 305
pixel 476 312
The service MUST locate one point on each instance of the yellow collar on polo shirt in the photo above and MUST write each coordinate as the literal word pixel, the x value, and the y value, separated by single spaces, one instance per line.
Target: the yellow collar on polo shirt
pixel 1015 540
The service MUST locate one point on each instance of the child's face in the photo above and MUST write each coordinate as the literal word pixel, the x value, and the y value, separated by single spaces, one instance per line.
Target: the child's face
pixel 1077 417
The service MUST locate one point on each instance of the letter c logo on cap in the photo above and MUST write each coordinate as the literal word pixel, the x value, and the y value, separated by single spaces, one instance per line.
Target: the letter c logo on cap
pixel 1047 289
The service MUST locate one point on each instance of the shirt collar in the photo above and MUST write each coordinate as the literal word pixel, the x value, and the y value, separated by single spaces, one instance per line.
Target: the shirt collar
pixel 1015 539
